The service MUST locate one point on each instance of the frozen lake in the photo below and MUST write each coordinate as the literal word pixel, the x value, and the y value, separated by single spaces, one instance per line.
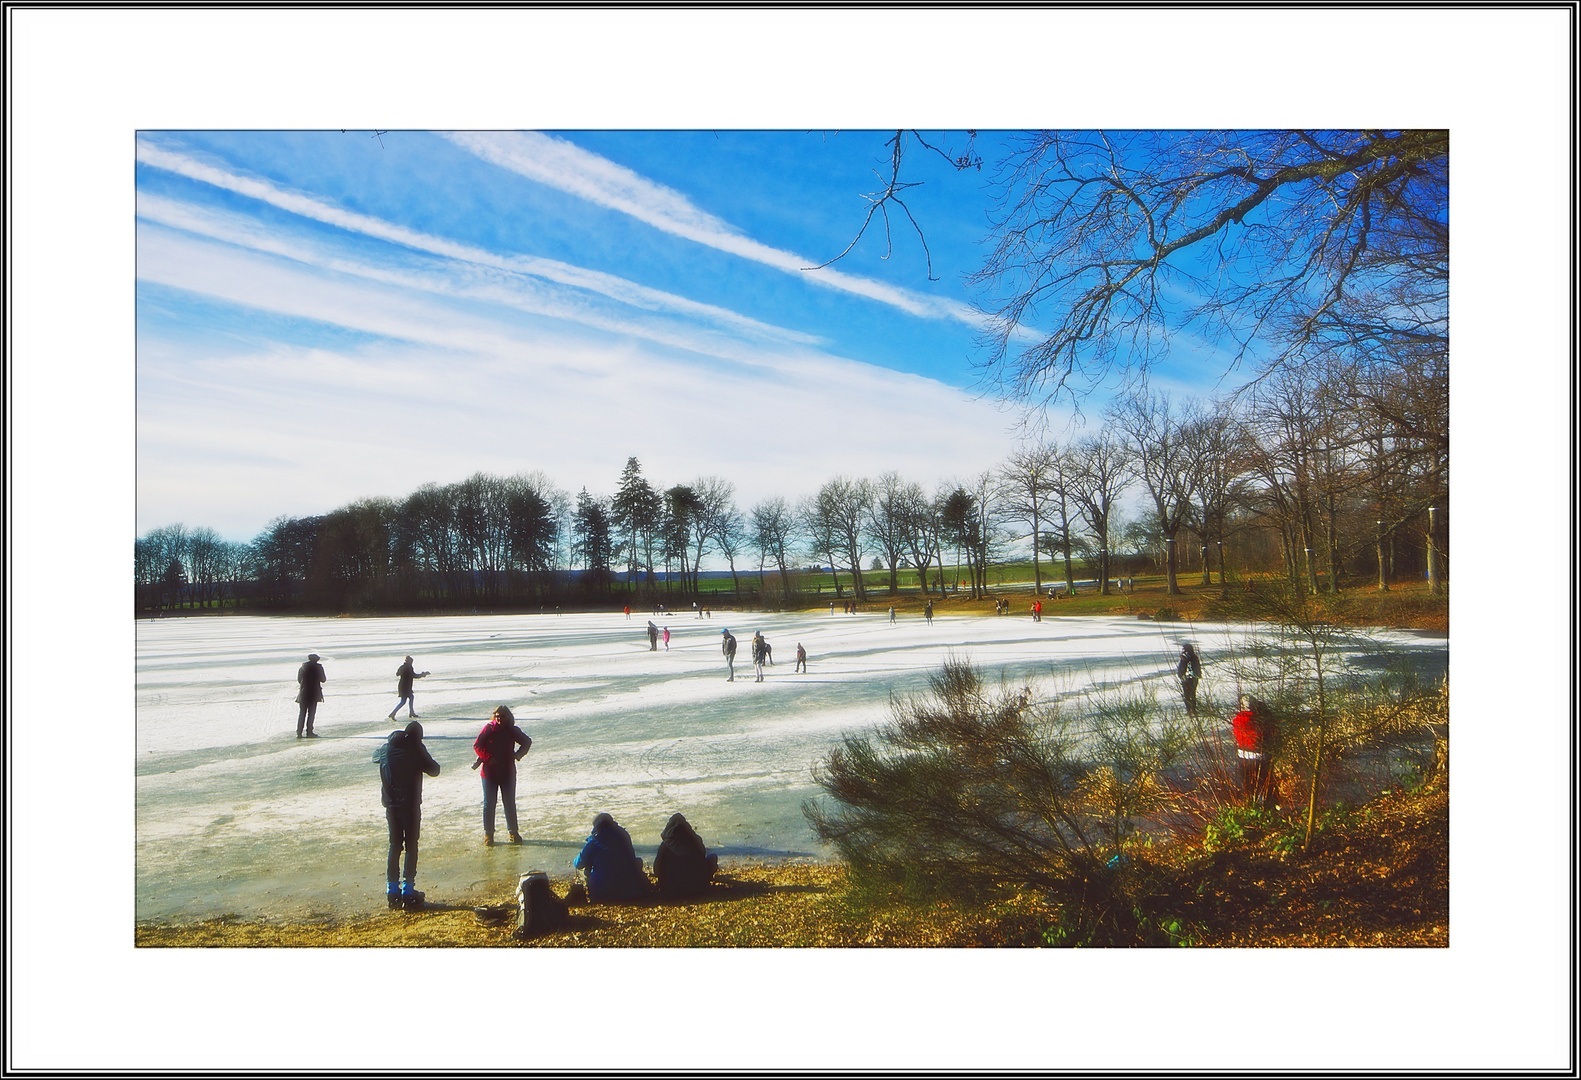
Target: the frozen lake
pixel 236 815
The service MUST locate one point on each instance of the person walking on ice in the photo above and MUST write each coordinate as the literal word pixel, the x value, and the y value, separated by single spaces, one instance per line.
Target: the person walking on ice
pixel 801 659
pixel 728 647
pixel 760 654
pixel 1189 669
pixel 403 761
pixel 310 691
pixel 497 754
pixel 403 687
pixel 891 613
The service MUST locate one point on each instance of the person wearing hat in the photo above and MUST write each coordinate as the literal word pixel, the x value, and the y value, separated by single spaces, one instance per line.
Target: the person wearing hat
pixel 403 686
pixel 403 760
pixel 728 646
pixel 310 691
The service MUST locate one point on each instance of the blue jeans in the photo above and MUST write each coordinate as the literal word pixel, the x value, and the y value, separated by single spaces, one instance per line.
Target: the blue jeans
pixel 505 789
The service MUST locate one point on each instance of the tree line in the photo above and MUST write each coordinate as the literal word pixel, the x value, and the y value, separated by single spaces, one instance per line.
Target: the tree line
pixel 1333 473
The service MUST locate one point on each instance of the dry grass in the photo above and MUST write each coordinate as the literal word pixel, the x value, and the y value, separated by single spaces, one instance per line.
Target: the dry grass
pixel 1380 877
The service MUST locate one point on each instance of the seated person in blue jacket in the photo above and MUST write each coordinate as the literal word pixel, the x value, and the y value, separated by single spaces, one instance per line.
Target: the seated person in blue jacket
pixel 608 866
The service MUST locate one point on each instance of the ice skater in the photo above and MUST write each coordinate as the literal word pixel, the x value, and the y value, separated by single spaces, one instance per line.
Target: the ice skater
pixel 403 687
pixel 1190 671
pixel 760 654
pixel 653 637
pixel 801 659
pixel 403 760
pixel 728 647
pixel 310 691
pixel 497 754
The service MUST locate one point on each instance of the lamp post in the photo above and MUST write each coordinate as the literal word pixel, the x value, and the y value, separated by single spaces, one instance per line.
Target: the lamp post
pixel 1224 582
pixel 1169 566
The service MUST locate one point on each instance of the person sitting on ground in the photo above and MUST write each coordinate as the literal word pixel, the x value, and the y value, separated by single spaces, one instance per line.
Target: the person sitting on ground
pixel 607 865
pixel 683 865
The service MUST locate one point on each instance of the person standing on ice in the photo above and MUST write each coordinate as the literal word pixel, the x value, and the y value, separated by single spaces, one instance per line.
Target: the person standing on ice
pixel 403 760
pixel 927 612
pixel 403 686
pixel 653 637
pixel 728 647
pixel 1190 671
pixel 497 754
pixel 760 654
pixel 801 659
pixel 310 691
pixel 666 639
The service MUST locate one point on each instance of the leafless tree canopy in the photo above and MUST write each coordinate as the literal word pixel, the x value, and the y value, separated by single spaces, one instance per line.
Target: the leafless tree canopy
pixel 1279 245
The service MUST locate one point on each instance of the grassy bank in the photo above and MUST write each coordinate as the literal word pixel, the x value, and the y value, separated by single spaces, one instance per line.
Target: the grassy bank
pixel 1375 876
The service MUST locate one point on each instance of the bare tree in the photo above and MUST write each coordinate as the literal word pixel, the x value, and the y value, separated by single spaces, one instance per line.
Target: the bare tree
pixel 1028 480
pixel 1100 471
pixel 1309 239
pixel 772 527
pixel 1163 462
pixel 887 522
pixel 721 520
pixel 840 515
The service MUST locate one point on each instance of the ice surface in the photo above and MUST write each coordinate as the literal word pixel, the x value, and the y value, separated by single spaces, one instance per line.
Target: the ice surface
pixel 236 815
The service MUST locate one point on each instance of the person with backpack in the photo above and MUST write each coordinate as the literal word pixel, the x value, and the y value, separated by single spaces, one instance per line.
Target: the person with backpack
pixel 403 687
pixel 608 866
pixel 682 865
pixel 403 761
pixel 497 755
pixel 1189 669
pixel 728 647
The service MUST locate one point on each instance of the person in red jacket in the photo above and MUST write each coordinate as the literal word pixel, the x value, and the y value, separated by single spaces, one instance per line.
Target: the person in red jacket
pixel 496 748
pixel 1251 746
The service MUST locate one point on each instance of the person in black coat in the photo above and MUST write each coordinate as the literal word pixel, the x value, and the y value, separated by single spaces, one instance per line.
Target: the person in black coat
pixel 310 691
pixel 1190 671
pixel 403 761
pixel 683 866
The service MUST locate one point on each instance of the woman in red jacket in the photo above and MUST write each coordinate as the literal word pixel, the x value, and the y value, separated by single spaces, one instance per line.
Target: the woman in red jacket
pixel 496 748
pixel 1251 746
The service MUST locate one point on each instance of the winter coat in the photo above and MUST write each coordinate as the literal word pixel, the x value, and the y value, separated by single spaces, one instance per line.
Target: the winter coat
pixel 310 682
pixel 406 674
pixel 759 650
pixel 1190 663
pixel 729 646
pixel 613 870
pixel 496 745
pixel 402 762
pixel 1251 731
pixel 682 864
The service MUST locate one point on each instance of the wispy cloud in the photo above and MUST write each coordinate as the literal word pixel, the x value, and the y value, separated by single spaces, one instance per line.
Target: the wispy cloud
pixel 609 285
pixel 521 292
pixel 564 165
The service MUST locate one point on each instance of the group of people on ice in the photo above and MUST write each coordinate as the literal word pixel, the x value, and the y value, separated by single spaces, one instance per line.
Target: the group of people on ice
pixel 608 867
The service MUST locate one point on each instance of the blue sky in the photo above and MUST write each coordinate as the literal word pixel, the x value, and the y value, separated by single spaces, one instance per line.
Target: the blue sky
pixel 327 315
